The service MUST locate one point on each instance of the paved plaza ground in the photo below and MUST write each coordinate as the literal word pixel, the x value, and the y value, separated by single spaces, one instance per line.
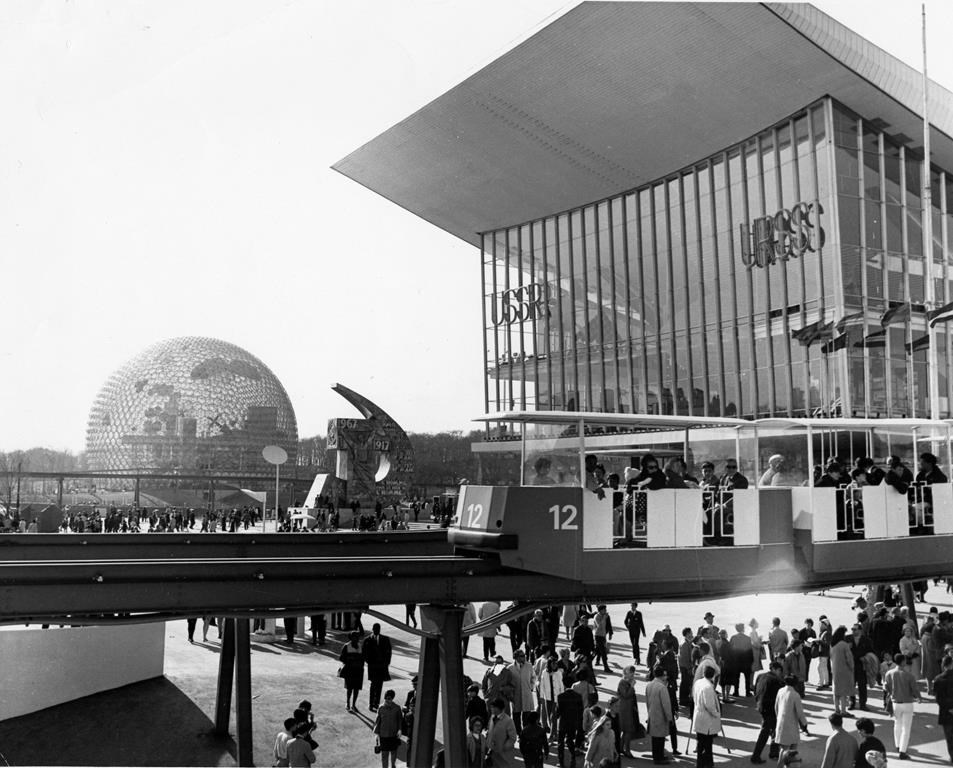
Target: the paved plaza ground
pixel 168 721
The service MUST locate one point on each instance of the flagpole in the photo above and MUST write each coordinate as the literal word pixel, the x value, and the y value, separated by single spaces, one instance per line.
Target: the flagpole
pixel 930 293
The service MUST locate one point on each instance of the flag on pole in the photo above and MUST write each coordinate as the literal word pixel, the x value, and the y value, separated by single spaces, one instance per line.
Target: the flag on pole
pixel 917 344
pixel 877 340
pixel 819 331
pixel 896 314
pixel 942 315
pixel 853 319
pixel 834 344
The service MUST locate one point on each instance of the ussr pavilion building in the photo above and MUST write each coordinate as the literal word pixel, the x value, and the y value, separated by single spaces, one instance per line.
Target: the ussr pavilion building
pixel 693 208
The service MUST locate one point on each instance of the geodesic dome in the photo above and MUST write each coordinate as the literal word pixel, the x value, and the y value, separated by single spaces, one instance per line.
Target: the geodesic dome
pixel 189 404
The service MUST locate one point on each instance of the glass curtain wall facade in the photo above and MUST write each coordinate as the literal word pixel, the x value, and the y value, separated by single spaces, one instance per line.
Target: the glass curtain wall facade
pixel 697 294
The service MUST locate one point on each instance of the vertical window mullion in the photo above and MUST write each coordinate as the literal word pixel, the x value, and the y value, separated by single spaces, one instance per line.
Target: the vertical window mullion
pixel 616 347
pixel 546 322
pixel 600 326
pixel 699 255
pixel 743 158
pixel 486 350
pixel 585 310
pixel 786 294
pixel 762 206
pixel 628 303
pixel 861 192
pixel 907 295
pixel 640 256
pixel 559 319
pixel 572 313
pixel 802 270
pixel 683 256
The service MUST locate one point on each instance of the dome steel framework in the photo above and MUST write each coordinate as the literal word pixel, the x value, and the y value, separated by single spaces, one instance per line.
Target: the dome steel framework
pixel 190 403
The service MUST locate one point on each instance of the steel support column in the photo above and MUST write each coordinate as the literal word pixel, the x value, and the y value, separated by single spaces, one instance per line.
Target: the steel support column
pixel 452 694
pixel 909 599
pixel 226 675
pixel 425 709
pixel 243 691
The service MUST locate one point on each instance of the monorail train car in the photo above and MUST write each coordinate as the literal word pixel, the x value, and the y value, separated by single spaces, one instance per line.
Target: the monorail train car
pixel 711 539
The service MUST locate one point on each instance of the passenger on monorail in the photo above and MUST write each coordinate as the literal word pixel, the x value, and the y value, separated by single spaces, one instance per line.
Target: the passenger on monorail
pixel 930 473
pixel 649 478
pixel 833 477
pixel 676 474
pixel 898 476
pixel 875 475
pixel 733 480
pixel 541 468
pixel 594 479
pixel 773 474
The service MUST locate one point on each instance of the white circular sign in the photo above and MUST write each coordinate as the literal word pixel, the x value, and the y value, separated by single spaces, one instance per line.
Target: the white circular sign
pixel 274 454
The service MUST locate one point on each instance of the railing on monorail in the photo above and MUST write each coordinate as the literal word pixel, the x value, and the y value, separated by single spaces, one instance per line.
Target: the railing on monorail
pixel 707 517
pixel 716 516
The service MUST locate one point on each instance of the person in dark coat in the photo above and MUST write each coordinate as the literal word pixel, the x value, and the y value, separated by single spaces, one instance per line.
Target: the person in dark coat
pixel 943 691
pixel 898 476
pixel 377 655
pixel 537 635
pixel 352 669
pixel 767 688
pixel 475 706
pixel 868 742
pixel 742 657
pixel 534 746
pixel 583 640
pixel 569 709
pixel 860 647
pixel 636 626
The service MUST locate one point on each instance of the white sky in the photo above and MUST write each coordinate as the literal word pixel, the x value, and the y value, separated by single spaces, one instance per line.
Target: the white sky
pixel 164 171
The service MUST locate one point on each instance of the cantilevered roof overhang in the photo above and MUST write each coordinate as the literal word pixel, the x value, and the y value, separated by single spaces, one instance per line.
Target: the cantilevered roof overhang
pixel 613 95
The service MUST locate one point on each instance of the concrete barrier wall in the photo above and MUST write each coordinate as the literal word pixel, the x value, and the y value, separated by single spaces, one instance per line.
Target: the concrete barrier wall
pixel 46 667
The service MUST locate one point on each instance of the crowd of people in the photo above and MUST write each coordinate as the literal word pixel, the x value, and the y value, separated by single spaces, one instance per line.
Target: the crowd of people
pixel 545 701
pixel 325 517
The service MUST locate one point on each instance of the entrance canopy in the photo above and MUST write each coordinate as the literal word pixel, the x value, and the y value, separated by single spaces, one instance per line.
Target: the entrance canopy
pixel 613 95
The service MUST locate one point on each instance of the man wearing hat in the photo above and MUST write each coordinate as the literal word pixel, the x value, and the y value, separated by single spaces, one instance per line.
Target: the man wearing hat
pixel 709 629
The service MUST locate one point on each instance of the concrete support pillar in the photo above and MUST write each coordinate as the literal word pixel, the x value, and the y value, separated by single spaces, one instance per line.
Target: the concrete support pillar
pixel 59 492
pixel 243 690
pixel 226 675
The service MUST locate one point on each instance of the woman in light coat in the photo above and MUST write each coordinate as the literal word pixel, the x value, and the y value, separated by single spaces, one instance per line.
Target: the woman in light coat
pixel 757 647
pixel 790 714
pixel 601 744
pixel 842 669
pixel 910 647
pixel 658 708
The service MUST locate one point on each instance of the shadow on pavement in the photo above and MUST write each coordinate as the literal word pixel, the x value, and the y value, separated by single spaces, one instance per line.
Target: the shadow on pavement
pixel 148 723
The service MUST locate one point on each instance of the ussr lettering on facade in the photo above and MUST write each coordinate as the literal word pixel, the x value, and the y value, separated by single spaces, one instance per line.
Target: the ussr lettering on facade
pixel 788 234
pixel 517 305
